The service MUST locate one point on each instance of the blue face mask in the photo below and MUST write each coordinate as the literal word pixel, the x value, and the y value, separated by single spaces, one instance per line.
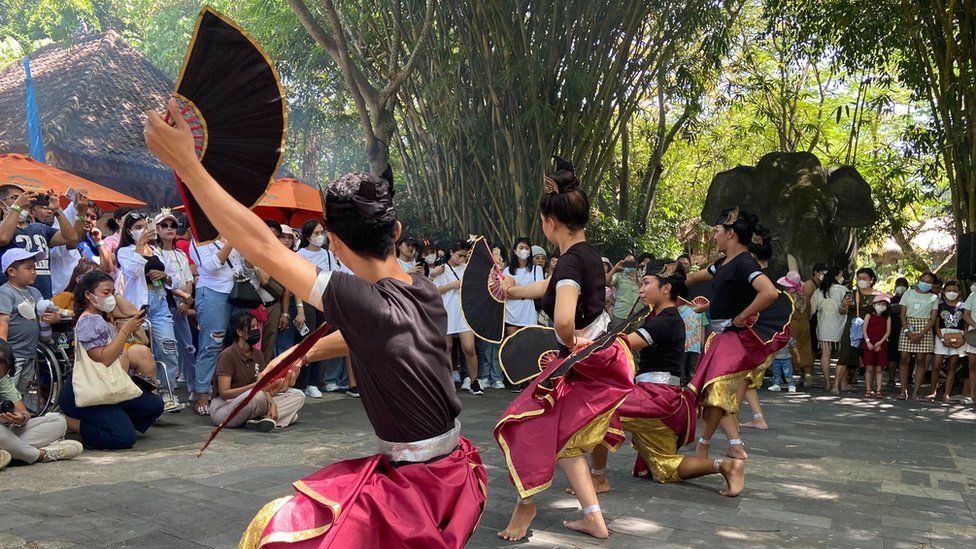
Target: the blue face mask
pixel 629 270
pixel 924 287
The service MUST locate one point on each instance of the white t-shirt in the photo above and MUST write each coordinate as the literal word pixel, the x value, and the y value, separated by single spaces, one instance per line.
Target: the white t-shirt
pixel 830 323
pixel 321 258
pixel 521 312
pixel 452 299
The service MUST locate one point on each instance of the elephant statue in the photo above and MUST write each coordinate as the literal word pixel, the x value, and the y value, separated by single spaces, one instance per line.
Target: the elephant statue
pixel 811 212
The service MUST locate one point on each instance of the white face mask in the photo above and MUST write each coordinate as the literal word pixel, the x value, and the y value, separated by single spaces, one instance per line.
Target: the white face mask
pixel 952 296
pixel 136 234
pixel 840 279
pixel 862 284
pixel 900 290
pixel 972 289
pixel 880 309
pixel 26 310
pixel 524 254
pixel 430 259
pixel 105 304
pixel 317 240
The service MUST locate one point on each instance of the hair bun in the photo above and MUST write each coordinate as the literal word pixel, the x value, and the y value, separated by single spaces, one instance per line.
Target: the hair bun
pixel 565 175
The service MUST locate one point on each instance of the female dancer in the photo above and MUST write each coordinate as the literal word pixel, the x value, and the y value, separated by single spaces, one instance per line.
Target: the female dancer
pixel 660 414
pixel 546 426
pixel 404 376
pixel 740 290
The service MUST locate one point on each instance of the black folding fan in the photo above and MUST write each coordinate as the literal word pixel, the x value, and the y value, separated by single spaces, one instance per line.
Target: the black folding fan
pixel 232 97
pixel 482 299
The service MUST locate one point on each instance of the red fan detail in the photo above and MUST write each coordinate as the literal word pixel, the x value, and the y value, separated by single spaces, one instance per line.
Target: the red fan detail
pixel 194 120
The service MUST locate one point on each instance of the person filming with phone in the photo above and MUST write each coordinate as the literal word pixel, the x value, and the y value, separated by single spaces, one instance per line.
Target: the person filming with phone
pixel 97 410
pixel 623 279
pixel 16 230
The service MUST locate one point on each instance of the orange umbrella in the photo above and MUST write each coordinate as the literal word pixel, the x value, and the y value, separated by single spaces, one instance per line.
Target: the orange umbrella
pixel 25 172
pixel 290 201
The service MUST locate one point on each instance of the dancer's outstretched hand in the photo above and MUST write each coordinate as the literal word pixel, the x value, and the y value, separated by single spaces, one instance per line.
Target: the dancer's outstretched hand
pixel 173 146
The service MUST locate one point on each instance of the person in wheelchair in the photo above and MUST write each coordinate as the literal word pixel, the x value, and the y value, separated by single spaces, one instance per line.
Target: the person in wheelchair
pixel 29 439
pixel 19 325
pixel 112 426
pixel 238 366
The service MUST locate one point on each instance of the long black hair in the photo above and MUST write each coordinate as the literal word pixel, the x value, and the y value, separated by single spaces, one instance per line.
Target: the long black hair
pixel 830 279
pixel 306 233
pixel 562 197
pixel 87 284
pixel 126 237
pixel 241 321
pixel 513 261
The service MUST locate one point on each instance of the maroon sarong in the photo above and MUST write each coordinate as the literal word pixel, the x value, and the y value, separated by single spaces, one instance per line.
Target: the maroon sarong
pixel 542 425
pixel 368 502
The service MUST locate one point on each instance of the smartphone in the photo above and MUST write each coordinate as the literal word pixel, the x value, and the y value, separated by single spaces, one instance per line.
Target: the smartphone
pixel 144 310
pixel 849 295
pixel 71 194
pixel 629 265
pixel 41 200
pixel 304 331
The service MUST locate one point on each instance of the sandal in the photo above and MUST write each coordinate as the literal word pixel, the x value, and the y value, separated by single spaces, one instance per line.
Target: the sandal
pixel 201 410
pixel 868 394
pixel 879 395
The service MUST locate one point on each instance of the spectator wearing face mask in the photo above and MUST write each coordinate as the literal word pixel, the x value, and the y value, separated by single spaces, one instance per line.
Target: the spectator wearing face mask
pixel 237 371
pixel 950 341
pixel 831 302
pixel 894 312
pixel 330 374
pixel 919 309
pixel 874 346
pixel 623 278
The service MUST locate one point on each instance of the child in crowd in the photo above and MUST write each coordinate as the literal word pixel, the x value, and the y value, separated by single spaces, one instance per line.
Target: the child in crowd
pixel 874 347
pixel 783 368
pixel 19 325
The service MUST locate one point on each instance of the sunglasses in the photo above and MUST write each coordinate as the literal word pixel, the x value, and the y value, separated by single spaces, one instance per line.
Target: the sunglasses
pixel 167 225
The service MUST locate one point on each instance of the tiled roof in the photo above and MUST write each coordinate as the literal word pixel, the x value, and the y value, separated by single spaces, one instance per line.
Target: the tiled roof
pixel 92 97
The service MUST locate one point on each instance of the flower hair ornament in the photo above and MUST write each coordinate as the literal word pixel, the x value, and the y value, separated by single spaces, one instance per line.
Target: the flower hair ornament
pixel 667 270
pixel 757 239
pixel 549 185
pixel 731 218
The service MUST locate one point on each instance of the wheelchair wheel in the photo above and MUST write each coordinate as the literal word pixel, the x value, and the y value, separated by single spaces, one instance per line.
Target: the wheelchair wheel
pixel 45 385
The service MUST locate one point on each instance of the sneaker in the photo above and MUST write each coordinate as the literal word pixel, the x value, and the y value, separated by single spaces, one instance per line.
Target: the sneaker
pixel 61 450
pixel 172 404
pixel 792 388
pixel 466 385
pixel 774 388
pixel 263 425
pixel 4 458
pixel 483 381
pixel 329 388
pixel 181 378
pixel 475 388
pixel 353 392
pixel 456 376
pixel 313 392
pixel 498 384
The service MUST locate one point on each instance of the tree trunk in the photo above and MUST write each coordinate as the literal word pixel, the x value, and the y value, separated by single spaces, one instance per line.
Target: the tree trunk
pixel 623 207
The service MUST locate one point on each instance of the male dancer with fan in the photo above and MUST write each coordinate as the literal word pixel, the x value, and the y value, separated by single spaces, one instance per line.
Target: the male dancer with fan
pixel 740 292
pixel 391 325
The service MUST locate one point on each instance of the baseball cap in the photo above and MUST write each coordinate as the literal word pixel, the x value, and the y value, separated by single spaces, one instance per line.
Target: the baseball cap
pixel 14 255
pixel 165 215
pixel 286 229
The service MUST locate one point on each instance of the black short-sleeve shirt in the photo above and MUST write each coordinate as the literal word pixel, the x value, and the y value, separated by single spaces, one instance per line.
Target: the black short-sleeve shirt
pixel 665 337
pixel 395 333
pixel 950 316
pixel 732 289
pixel 582 267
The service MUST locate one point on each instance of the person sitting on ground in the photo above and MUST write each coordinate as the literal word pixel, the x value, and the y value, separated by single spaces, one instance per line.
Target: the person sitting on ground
pixel 25 438
pixel 112 426
pixel 19 324
pixel 238 366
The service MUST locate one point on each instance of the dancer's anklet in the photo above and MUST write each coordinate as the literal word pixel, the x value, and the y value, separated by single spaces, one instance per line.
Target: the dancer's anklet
pixel 598 472
pixel 703 440
pixel 718 465
pixel 736 442
pixel 591 509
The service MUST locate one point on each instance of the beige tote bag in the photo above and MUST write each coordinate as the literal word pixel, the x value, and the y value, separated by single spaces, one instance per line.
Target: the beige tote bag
pixel 94 384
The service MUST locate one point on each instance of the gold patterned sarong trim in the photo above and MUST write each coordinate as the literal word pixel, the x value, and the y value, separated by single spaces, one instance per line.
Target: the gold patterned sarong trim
pixel 312 493
pixel 254 534
pixel 755 377
pixel 589 437
pixel 720 392
pixel 657 445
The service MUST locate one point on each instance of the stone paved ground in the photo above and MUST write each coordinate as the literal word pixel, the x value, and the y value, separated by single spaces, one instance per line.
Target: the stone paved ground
pixel 831 472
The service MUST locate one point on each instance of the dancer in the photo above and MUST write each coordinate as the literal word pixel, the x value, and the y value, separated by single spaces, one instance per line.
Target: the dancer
pixel 659 413
pixel 544 426
pixel 403 374
pixel 740 290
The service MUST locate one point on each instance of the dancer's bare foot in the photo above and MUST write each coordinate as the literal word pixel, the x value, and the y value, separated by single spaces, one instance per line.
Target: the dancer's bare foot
pixel 736 451
pixel 591 524
pixel 519 524
pixel 601 483
pixel 734 471
pixel 702 449
pixel 759 424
